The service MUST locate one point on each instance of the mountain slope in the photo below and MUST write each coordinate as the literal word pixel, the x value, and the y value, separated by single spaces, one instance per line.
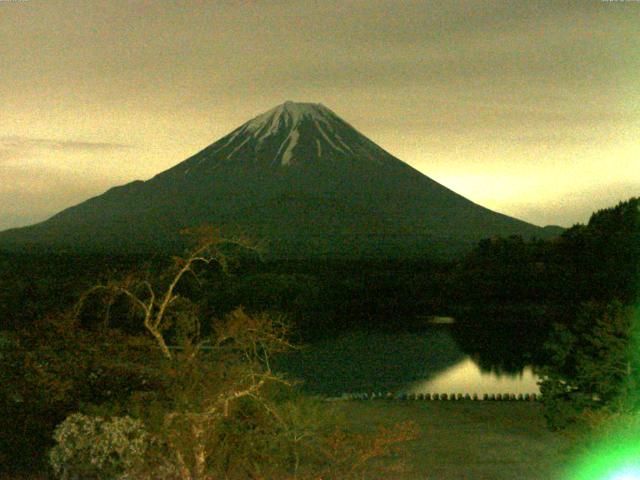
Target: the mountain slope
pixel 298 176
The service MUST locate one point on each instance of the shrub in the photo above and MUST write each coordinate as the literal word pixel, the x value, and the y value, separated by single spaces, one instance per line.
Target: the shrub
pixel 593 363
pixel 95 448
pixel 347 455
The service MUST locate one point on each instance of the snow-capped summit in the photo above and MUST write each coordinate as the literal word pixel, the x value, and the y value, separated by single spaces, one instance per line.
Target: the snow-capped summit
pixel 288 134
pixel 297 176
pixel 288 115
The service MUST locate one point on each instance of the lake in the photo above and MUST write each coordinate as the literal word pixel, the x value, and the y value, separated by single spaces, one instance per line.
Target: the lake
pixel 467 377
pixel 438 359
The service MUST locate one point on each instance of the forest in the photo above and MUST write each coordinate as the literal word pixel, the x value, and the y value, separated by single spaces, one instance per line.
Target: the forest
pixel 171 355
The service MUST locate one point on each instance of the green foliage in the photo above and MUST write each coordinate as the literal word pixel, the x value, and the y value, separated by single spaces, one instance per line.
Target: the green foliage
pixel 593 364
pixel 301 424
pixel 599 261
pixel 35 285
pixel 202 386
pixel 52 368
pixel 606 253
pixel 351 456
pixel 97 448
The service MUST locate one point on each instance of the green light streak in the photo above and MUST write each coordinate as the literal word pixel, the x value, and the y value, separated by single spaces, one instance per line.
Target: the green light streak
pixel 616 451
pixel 610 462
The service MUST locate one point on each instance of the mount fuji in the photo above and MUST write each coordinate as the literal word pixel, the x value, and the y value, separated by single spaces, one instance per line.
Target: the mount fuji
pixel 297 176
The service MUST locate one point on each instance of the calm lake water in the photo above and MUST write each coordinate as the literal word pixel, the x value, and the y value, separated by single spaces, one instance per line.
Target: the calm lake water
pixel 440 359
pixel 467 377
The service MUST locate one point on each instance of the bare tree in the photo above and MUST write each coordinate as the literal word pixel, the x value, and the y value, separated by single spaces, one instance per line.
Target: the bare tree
pixel 206 424
pixel 209 373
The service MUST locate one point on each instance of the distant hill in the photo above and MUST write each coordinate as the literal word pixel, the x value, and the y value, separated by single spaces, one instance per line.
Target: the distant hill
pixel 297 176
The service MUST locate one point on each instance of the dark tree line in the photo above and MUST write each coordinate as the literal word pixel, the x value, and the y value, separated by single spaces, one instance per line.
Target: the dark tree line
pixel 317 295
pixel 598 261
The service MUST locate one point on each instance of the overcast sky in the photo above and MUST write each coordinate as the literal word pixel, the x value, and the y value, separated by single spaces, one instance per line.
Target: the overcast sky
pixel 530 108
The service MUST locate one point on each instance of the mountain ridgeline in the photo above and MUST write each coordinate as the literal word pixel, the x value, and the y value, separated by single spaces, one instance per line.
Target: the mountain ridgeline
pixel 298 177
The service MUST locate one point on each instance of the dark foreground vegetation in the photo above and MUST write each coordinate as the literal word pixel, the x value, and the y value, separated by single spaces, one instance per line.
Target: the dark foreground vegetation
pixel 108 350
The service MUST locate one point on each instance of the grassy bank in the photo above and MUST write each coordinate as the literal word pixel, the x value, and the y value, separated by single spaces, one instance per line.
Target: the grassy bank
pixel 470 440
pixel 461 440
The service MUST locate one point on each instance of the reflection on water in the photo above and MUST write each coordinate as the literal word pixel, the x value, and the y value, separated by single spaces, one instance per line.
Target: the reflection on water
pixel 371 361
pixel 505 343
pixel 446 358
pixel 466 377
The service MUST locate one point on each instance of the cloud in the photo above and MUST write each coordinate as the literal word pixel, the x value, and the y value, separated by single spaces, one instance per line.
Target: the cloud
pixel 557 140
pixel 15 146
